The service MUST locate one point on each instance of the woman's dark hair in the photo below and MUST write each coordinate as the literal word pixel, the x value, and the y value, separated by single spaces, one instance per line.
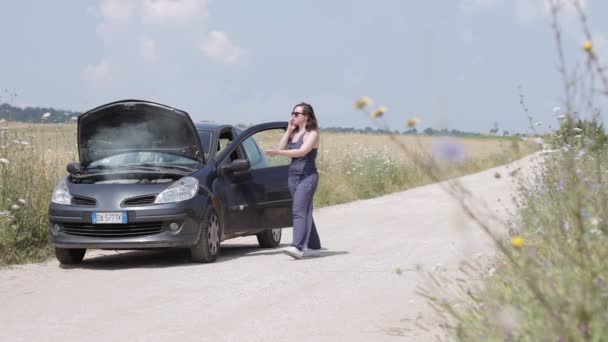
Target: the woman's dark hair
pixel 311 123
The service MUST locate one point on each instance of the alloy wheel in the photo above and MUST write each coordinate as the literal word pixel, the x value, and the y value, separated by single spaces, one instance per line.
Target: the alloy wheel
pixel 214 234
pixel 276 234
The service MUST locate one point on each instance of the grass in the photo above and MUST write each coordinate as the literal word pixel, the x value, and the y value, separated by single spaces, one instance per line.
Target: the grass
pixel 352 166
pixel 550 283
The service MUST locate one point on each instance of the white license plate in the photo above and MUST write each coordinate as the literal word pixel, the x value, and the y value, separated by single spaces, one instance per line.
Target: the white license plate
pixel 107 218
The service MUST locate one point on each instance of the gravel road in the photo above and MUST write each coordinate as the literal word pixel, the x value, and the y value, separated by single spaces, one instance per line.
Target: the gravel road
pixel 351 293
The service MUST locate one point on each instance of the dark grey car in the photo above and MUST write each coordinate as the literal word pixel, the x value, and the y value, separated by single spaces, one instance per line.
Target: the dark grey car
pixel 149 177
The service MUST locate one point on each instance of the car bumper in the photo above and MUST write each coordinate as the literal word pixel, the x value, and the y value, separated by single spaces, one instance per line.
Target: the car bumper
pixel 146 227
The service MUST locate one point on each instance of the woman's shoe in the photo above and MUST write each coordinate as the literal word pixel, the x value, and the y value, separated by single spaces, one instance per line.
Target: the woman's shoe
pixel 293 252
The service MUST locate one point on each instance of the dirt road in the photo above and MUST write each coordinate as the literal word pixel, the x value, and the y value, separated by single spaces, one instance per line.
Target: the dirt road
pixel 350 293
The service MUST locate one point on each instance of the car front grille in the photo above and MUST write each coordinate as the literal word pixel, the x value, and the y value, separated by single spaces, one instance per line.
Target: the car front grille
pixel 140 200
pixel 84 201
pixel 113 230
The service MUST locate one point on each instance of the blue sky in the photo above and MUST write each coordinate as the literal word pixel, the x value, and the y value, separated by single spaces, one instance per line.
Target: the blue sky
pixel 455 64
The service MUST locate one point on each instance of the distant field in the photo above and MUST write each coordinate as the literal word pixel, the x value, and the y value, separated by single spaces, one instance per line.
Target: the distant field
pixel 351 166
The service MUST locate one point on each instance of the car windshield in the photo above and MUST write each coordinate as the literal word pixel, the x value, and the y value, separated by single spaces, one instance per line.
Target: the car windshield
pixel 205 137
pixel 147 158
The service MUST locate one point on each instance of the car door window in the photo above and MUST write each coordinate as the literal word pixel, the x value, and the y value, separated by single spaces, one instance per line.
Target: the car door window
pixel 258 142
pixel 256 159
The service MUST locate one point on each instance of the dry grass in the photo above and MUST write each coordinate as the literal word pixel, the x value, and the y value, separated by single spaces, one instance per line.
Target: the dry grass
pixel 352 166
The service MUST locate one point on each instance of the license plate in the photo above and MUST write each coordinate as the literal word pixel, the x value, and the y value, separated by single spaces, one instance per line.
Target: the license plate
pixel 107 218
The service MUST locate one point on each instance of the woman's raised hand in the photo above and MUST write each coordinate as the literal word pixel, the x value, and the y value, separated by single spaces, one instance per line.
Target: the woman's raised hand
pixel 291 126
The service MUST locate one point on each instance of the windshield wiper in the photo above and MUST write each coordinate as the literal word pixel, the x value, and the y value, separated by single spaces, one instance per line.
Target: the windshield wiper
pixel 131 167
pixel 175 167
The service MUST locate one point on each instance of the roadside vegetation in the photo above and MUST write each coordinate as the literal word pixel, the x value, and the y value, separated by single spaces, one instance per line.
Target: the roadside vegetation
pixel 549 278
pixel 353 166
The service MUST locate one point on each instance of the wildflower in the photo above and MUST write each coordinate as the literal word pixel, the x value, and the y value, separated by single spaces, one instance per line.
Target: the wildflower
pixel 411 123
pixel 588 46
pixel 363 102
pixel 25 143
pixel 378 112
pixel 449 149
pixel 595 231
pixel 4 161
pixel 46 115
pixel 517 241
pixel 580 153
pixel 15 207
pixel 594 221
pixel 22 201
pixel 577 130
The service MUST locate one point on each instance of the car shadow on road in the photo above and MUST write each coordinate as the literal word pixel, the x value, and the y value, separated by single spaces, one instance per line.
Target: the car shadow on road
pixel 178 257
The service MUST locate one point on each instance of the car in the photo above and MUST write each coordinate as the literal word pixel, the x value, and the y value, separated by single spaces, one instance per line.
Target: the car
pixel 149 177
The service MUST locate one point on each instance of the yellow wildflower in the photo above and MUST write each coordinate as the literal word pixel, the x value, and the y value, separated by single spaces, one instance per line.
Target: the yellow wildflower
pixel 411 123
pixel 588 46
pixel 378 112
pixel 363 102
pixel 517 241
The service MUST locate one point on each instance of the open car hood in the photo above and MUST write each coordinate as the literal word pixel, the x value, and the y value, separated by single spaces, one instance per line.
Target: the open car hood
pixel 135 125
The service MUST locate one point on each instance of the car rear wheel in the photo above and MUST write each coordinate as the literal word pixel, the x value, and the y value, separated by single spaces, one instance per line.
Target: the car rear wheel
pixel 270 238
pixel 70 256
pixel 208 246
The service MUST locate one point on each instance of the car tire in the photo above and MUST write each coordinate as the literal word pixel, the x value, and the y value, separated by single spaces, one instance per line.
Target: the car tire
pixel 208 246
pixel 270 238
pixel 70 256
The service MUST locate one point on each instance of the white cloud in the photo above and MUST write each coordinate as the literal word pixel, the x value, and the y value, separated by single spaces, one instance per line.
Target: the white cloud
pixel 147 49
pixel 116 9
pixel 219 47
pixel 97 74
pixel 115 15
pixel 168 10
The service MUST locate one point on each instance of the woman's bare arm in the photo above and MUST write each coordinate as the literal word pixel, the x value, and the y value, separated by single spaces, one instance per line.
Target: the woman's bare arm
pixel 284 140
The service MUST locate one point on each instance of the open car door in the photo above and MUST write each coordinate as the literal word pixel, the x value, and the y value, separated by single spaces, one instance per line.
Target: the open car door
pixel 266 187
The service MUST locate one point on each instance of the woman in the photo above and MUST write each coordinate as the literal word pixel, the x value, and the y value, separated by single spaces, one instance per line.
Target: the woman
pixel 301 142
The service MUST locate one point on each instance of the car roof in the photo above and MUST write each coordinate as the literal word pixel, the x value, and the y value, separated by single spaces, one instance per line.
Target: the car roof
pixel 209 126
pixel 205 126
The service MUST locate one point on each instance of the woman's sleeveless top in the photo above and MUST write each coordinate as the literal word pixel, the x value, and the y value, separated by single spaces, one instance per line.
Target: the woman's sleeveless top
pixel 302 165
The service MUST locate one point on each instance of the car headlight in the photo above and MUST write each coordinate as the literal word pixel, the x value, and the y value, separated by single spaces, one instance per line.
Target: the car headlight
pixel 183 189
pixel 61 194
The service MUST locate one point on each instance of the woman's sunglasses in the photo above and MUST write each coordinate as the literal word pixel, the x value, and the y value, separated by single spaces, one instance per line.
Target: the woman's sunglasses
pixel 296 114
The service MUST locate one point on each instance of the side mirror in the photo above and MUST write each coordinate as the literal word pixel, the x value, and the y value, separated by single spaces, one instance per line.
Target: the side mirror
pixel 73 168
pixel 235 165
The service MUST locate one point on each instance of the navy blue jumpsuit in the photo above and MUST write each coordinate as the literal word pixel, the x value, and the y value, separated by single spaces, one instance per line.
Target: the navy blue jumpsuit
pixel 302 181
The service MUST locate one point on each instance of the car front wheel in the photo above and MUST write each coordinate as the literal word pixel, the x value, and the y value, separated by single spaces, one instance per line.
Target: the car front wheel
pixel 208 246
pixel 270 238
pixel 70 256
